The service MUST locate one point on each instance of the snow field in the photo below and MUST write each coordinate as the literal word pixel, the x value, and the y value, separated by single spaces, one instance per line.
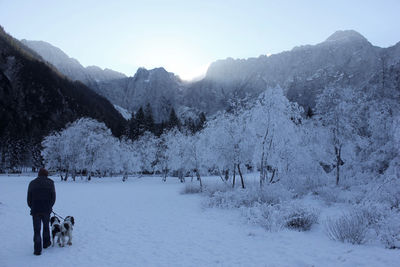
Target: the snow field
pixel 145 222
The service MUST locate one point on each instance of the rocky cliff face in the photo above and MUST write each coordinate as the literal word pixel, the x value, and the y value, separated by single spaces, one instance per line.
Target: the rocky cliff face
pixel 162 89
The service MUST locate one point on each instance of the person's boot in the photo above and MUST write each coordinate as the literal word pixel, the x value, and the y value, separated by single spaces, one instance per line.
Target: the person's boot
pixel 37 248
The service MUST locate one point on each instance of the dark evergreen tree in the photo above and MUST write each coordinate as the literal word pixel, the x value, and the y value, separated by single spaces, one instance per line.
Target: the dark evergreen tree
pixel 173 120
pixel 140 123
pixel 159 128
pixel 309 113
pixel 148 119
pixel 131 126
pixel 201 121
pixel 190 125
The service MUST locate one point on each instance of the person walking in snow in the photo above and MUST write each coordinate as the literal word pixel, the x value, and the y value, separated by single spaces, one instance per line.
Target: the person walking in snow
pixel 41 198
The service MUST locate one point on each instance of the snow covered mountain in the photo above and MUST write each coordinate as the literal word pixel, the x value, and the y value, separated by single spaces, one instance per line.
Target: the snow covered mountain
pixel 345 59
pixel 71 67
pixel 161 89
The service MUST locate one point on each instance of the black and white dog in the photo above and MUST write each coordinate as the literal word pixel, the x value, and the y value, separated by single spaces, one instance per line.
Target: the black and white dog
pixel 67 227
pixel 61 230
pixel 57 231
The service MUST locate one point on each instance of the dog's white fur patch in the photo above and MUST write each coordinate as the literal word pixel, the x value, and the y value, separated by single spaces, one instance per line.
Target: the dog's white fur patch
pixel 67 226
pixel 57 231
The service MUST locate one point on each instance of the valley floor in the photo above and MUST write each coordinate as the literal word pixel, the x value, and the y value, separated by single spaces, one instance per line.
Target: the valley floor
pixel 145 222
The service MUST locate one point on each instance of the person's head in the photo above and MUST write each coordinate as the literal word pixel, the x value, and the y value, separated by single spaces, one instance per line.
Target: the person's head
pixel 43 172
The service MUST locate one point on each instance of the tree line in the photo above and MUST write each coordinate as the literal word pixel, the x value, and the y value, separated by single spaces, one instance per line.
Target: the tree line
pixel 142 121
pixel 270 135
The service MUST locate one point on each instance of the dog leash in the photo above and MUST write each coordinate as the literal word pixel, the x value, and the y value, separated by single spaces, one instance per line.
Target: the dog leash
pixel 55 214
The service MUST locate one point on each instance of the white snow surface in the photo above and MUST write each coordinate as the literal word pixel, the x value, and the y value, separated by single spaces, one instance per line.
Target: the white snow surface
pixel 145 222
pixel 124 112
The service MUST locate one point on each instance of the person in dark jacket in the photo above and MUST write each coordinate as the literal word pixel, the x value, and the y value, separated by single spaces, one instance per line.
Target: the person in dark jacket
pixel 41 198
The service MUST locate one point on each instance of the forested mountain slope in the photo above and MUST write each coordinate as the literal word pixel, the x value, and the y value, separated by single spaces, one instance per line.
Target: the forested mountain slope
pixel 35 100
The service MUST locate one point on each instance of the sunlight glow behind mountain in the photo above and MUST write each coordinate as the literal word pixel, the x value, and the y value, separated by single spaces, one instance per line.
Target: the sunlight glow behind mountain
pixel 186 36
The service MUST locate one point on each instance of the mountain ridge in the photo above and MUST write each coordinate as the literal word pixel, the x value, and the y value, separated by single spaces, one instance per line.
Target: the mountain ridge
pixel 345 58
pixel 69 66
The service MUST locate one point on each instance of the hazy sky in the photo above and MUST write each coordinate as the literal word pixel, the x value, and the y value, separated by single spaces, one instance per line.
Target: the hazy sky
pixel 186 36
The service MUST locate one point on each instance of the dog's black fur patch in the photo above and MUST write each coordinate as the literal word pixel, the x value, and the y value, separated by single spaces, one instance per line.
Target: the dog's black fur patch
pixel 55 230
pixel 71 218
pixel 66 226
pixel 53 219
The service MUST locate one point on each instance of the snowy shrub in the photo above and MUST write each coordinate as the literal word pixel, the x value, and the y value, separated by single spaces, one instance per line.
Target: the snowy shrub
pixel 371 212
pixel 212 188
pixel 389 233
pixel 267 216
pixel 191 188
pixel 388 228
pixel 349 227
pixel 389 193
pixel 328 194
pixel 227 199
pixel 277 217
pixel 301 186
pixel 271 194
pixel 300 218
pixel 383 222
pixel 237 198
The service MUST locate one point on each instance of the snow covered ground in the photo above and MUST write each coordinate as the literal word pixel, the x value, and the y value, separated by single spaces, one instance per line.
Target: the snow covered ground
pixel 145 222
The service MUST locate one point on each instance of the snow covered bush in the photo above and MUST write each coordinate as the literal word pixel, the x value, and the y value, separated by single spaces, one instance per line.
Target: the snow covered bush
pixel 329 194
pixel 350 227
pixel 270 195
pixel 300 218
pixel 211 188
pixel 389 231
pixel 288 214
pixel 383 221
pixel 303 185
pixel 191 188
pixel 389 193
pixel 267 216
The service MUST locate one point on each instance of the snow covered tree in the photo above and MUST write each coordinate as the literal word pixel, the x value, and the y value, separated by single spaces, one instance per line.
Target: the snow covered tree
pixel 128 158
pixel 274 121
pixel 196 156
pixel 162 160
pixel 177 154
pixel 335 106
pixel 146 147
pixel 86 145
pixel 231 142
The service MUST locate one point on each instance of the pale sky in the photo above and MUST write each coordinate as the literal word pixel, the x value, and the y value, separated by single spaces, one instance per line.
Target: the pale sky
pixel 185 36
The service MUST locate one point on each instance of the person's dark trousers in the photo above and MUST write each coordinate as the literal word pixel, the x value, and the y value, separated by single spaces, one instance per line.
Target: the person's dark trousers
pixel 38 219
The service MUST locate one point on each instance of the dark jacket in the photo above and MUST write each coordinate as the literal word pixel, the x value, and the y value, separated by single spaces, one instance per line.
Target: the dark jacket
pixel 41 195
